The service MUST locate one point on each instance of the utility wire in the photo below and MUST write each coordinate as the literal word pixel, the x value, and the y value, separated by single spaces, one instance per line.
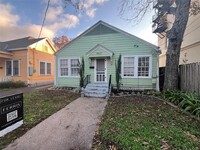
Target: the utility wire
pixel 44 19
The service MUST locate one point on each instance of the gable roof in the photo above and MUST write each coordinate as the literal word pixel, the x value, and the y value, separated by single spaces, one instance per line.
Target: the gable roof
pixel 102 48
pixel 115 29
pixel 18 44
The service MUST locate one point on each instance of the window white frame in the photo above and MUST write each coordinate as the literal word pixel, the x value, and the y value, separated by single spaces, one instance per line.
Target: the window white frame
pixel 69 67
pixel 136 58
pixel 95 70
pixel 12 67
pixel 45 68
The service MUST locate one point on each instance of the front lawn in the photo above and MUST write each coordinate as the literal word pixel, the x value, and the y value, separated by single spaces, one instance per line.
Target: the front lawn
pixel 37 107
pixel 142 122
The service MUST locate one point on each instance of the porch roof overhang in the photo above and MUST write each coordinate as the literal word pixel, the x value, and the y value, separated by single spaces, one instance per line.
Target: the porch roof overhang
pixel 99 51
pixel 5 54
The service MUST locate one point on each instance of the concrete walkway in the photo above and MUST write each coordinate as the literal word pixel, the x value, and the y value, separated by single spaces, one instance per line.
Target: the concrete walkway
pixel 71 128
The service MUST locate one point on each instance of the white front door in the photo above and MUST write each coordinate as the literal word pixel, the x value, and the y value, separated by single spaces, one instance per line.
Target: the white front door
pixel 101 70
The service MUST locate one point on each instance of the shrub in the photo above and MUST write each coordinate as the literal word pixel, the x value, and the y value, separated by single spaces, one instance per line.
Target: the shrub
pixel 190 102
pixel 12 84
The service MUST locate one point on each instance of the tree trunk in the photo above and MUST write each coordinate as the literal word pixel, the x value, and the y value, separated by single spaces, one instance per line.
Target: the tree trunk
pixel 175 36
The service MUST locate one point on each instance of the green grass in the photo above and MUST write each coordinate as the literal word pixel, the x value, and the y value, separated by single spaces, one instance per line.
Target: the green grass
pixel 37 107
pixel 142 122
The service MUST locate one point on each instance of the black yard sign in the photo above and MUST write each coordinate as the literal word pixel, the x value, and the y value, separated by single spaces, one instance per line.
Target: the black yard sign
pixel 11 110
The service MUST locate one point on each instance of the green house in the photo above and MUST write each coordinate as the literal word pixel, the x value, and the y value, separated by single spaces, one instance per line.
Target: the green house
pixel 101 47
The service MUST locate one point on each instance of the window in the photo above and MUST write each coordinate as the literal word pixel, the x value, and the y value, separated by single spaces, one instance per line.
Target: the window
pixel 74 67
pixel 42 68
pixel 48 68
pixel 44 48
pixel 128 66
pixel 69 67
pixel 45 68
pixel 64 67
pixel 135 66
pixel 15 67
pixel 12 68
pixel 143 66
pixel 9 68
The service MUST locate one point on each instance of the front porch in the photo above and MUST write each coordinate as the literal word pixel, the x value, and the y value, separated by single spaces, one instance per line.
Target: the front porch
pixel 96 89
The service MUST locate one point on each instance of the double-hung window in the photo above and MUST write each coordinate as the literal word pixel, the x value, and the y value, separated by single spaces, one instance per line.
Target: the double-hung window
pixel 63 67
pixel 143 66
pixel 12 68
pixel 69 67
pixel 45 68
pixel 42 68
pixel 128 66
pixel 136 66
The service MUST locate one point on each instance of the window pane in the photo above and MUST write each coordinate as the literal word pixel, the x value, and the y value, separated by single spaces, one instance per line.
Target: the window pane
pixel 48 68
pixel 8 68
pixel 15 67
pixel 74 67
pixel 42 68
pixel 64 71
pixel 128 66
pixel 143 66
pixel 74 63
pixel 64 63
pixel 64 67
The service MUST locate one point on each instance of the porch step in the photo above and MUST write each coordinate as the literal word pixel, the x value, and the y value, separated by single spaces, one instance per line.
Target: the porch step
pixel 96 90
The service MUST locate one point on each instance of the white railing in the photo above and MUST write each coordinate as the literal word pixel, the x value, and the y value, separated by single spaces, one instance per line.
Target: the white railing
pixel 3 79
pixel 100 77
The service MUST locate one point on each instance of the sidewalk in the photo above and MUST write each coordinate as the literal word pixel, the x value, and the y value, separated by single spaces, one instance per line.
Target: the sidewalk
pixel 23 90
pixel 73 127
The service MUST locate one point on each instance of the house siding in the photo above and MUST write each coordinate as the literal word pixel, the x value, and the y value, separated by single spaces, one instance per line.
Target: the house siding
pixel 20 55
pixel 35 57
pixel 30 57
pixel 117 43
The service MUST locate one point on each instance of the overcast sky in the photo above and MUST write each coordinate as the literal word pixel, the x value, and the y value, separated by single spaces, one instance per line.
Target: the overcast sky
pixel 21 18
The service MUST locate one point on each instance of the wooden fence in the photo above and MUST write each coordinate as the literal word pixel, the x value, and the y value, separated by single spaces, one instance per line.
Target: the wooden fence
pixel 190 77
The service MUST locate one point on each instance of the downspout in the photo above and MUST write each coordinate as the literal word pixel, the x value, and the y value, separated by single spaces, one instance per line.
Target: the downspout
pixel 157 76
pixel 27 62
pixel 55 73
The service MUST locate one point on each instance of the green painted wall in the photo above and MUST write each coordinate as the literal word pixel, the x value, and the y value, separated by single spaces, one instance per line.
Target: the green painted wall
pixel 115 42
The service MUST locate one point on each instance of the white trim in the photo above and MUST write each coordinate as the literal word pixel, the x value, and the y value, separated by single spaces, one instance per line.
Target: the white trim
pixel 40 68
pixel 11 60
pixel 11 128
pixel 69 67
pixel 157 77
pixel 20 48
pixel 136 66
pixel 6 53
pixel 55 74
pixel 95 72
pixel 27 67
pixel 101 47
pixel 45 69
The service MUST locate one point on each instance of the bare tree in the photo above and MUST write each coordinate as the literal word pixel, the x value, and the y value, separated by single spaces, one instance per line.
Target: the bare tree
pixel 138 8
pixel 60 42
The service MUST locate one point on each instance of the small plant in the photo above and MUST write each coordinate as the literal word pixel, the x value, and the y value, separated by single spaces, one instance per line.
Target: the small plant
pixel 81 72
pixel 190 102
pixel 118 72
pixel 12 84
